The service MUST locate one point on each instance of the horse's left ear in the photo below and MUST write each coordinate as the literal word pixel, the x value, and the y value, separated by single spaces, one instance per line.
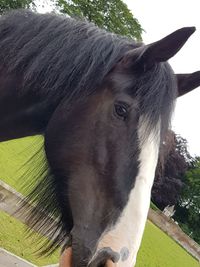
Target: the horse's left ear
pixel 167 47
pixel 187 82
pixel 144 57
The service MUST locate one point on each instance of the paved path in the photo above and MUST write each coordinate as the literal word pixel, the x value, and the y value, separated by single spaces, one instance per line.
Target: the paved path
pixel 8 259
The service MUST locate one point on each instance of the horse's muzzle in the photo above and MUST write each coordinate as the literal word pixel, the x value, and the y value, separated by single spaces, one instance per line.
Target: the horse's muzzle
pixel 105 258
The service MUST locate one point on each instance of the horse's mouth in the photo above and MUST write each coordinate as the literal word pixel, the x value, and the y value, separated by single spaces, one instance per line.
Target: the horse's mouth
pixel 104 259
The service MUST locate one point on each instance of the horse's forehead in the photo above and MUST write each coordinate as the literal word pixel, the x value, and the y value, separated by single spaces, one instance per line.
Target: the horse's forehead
pixel 135 82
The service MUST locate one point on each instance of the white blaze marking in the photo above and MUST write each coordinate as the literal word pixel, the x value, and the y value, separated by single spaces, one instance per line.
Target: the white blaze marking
pixel 128 231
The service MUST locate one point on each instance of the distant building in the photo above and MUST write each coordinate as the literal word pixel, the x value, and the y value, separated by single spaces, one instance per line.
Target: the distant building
pixel 169 211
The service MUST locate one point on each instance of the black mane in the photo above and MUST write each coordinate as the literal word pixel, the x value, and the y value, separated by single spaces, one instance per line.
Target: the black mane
pixel 70 56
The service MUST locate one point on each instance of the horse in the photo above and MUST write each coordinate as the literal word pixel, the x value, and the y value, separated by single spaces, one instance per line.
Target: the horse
pixel 103 103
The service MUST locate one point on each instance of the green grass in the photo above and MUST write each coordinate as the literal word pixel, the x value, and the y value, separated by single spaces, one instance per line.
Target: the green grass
pixel 157 250
pixel 16 169
pixel 14 238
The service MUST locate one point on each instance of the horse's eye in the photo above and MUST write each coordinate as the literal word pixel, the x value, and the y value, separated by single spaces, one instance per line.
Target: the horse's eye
pixel 121 111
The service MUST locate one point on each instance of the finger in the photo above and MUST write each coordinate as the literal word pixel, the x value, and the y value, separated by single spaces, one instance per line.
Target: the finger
pixel 66 258
pixel 110 263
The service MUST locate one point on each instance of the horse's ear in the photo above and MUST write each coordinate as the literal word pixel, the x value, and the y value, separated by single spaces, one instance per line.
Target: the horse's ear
pixel 167 47
pixel 187 82
pixel 159 51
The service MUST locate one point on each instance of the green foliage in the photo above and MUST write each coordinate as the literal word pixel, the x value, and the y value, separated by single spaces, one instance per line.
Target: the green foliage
pixel 112 15
pixel 191 192
pixel 188 208
pixel 14 4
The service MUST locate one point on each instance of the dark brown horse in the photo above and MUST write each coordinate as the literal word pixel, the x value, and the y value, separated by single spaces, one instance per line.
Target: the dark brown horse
pixel 103 104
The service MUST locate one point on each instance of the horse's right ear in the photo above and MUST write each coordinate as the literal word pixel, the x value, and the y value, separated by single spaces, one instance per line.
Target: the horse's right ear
pixel 187 82
pixel 148 55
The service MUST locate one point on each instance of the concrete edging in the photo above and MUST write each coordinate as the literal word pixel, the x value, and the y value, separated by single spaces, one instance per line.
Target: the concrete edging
pixel 174 231
pixel 7 259
pixel 11 201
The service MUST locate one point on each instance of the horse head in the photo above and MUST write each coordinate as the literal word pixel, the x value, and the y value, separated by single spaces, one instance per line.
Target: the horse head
pixel 104 148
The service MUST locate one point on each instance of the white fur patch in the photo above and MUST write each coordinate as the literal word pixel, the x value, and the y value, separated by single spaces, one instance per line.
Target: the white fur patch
pixel 128 231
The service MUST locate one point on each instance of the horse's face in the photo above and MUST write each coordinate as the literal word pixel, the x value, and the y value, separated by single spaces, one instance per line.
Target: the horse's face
pixel 110 167
pixel 109 151
pixel 107 148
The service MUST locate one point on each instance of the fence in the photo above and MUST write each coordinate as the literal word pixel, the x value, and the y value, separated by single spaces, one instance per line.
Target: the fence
pixel 174 231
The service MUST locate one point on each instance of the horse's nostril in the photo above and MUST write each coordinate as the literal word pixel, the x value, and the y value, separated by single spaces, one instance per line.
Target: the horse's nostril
pixel 106 257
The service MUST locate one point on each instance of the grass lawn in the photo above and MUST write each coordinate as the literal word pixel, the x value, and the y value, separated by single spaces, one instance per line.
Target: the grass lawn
pixel 157 250
pixel 15 166
pixel 14 238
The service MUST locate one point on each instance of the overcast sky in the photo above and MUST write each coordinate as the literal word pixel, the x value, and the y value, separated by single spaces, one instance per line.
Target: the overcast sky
pixel 159 18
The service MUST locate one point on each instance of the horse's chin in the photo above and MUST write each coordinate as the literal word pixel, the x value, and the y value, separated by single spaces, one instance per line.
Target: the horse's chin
pixel 66 260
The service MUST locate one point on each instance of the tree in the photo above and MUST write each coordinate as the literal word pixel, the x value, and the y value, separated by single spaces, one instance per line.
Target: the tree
pixel 14 4
pixel 173 163
pixel 112 15
pixel 191 193
pixel 177 182
pixel 188 206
